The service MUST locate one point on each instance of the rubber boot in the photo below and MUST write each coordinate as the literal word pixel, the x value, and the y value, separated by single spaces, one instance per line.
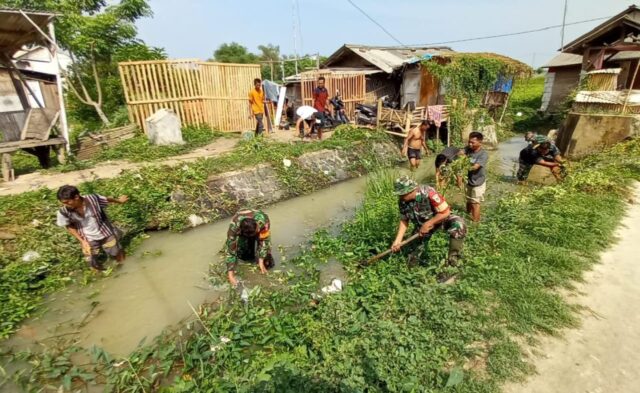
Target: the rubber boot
pixel 455 254
pixel 455 251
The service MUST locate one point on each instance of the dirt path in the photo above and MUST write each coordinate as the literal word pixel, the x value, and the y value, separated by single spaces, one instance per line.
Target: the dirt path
pixel 107 170
pixel 602 356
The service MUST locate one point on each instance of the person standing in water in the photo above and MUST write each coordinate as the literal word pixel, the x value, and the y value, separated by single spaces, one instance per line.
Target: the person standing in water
pixel 413 144
pixel 85 219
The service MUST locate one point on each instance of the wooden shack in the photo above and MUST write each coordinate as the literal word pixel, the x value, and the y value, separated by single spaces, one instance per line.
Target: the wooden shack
pixel 31 103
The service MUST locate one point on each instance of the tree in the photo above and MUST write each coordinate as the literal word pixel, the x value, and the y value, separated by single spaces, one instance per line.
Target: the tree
pixel 234 53
pixel 97 33
pixel 269 52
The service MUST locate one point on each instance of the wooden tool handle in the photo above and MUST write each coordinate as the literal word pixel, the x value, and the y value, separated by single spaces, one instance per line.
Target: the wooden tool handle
pixel 385 253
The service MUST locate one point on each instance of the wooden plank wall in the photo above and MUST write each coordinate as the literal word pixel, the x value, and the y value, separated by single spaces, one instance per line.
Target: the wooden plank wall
pixel 198 92
pixel 353 88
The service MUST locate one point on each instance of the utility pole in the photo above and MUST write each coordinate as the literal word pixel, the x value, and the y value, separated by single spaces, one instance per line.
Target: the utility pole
pixel 295 32
pixel 564 22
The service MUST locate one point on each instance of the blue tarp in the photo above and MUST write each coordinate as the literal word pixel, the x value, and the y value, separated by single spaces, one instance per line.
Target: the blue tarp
pixel 504 84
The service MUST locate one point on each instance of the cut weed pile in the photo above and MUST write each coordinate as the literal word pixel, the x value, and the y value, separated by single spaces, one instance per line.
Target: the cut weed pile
pixel 29 219
pixel 136 149
pixel 393 328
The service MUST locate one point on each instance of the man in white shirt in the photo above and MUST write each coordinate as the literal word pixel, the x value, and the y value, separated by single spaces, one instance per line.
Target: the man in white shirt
pixel 306 123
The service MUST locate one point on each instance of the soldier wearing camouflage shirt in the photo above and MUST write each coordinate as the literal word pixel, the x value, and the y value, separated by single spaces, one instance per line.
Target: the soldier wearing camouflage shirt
pixel 429 211
pixel 248 237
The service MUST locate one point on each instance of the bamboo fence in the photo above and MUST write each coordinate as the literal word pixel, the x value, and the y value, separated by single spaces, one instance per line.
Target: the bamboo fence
pixel 200 93
pixel 602 82
pixel 352 87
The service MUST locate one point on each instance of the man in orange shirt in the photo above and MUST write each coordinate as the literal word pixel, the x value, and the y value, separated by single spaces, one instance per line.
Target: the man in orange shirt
pixel 256 101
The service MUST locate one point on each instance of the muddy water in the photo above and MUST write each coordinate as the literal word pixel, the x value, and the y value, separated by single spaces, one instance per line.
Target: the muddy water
pixel 505 162
pixel 169 271
pixel 505 157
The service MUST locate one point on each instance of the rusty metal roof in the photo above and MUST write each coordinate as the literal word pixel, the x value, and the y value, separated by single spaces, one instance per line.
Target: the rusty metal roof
pixel 333 71
pixel 387 58
pixel 17 31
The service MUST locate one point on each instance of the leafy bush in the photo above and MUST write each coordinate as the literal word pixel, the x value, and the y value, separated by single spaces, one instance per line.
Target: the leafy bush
pixel 22 284
pixel 393 328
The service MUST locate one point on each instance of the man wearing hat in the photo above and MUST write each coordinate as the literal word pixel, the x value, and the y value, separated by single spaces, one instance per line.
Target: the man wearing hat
pixel 541 152
pixel 429 211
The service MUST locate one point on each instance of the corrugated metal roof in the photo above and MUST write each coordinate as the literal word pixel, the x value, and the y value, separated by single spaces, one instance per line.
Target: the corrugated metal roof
pixel 606 71
pixel 335 71
pixel 626 55
pixel 564 60
pixel 389 58
pixel 615 97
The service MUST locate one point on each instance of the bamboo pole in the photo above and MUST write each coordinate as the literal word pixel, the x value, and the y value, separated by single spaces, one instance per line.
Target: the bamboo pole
pixel 633 81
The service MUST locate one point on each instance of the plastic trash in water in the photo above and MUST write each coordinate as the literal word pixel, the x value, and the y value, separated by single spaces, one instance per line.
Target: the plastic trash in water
pixel 245 295
pixel 30 256
pixel 335 286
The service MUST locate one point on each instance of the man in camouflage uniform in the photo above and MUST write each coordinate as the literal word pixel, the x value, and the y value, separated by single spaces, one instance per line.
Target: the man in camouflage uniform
pixel 429 211
pixel 248 238
pixel 541 152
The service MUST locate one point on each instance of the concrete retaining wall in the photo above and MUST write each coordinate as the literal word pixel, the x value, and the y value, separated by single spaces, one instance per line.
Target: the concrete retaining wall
pixel 262 185
pixel 582 134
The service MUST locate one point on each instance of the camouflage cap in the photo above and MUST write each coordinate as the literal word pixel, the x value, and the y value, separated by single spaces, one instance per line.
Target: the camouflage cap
pixel 404 185
pixel 538 139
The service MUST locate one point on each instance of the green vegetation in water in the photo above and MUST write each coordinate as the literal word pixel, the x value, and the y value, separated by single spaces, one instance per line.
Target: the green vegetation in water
pixel 30 217
pixel 393 328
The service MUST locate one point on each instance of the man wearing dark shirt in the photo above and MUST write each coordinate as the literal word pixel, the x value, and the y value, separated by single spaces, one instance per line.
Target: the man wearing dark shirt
pixel 320 99
pixel 544 154
pixel 477 176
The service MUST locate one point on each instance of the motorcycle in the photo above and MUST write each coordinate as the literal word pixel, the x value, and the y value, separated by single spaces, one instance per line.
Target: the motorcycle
pixel 339 114
pixel 367 114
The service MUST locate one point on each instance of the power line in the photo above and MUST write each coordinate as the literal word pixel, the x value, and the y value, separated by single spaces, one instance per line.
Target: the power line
pixel 376 23
pixel 512 34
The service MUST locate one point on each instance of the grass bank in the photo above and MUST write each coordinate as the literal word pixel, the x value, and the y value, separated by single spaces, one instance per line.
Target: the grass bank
pixel 27 221
pixel 136 149
pixel 526 100
pixel 393 328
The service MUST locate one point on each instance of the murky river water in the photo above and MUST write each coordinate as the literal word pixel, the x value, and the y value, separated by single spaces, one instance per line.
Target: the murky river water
pixel 169 272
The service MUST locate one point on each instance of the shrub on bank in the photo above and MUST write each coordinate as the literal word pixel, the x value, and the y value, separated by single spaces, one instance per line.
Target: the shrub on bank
pixel 30 217
pixel 393 328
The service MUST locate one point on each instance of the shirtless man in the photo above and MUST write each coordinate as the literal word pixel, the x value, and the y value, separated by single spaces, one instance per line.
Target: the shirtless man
pixel 413 144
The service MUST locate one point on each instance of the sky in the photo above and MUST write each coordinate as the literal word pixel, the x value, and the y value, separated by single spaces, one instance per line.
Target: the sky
pixel 195 28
